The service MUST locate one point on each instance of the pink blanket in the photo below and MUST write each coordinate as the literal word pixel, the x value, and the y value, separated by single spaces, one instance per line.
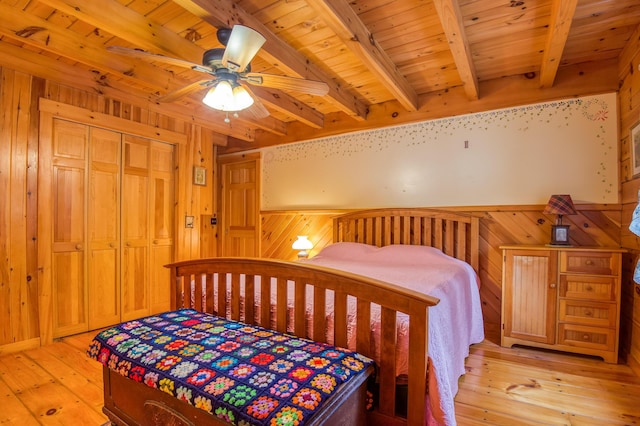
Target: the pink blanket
pixel 454 323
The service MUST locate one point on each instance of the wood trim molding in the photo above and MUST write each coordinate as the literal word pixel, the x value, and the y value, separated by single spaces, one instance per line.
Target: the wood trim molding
pixel 97 119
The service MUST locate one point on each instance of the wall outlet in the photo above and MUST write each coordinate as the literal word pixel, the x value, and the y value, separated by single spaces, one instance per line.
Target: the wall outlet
pixel 188 221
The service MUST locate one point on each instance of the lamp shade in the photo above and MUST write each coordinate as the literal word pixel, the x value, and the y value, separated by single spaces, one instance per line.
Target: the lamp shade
pixel 228 96
pixel 220 96
pixel 302 243
pixel 560 204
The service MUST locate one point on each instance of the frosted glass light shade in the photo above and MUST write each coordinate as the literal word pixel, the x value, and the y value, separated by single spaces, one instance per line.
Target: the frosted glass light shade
pixel 242 98
pixel 219 96
pixel 225 97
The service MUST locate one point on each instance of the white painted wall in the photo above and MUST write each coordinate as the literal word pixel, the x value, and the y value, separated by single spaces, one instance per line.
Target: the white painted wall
pixel 512 156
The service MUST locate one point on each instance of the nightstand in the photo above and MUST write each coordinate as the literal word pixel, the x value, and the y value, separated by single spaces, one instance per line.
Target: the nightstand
pixel 563 298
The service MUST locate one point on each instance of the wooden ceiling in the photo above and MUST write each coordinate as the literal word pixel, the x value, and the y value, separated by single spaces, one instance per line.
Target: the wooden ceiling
pixel 386 61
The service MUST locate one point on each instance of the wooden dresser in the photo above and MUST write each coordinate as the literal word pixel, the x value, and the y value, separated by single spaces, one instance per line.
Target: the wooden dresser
pixel 563 298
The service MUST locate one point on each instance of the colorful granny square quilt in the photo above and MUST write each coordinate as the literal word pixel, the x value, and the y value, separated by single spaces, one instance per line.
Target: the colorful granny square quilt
pixel 246 375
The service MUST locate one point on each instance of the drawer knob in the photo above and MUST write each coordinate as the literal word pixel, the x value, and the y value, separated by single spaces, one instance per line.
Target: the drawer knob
pixel 552 285
pixel 588 313
pixel 78 246
pixel 588 288
pixel 588 262
pixel 585 337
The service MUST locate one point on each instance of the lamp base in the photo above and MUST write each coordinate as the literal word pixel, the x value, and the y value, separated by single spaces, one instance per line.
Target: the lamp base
pixel 560 235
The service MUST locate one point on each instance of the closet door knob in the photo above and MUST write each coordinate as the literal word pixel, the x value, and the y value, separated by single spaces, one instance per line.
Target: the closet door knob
pixel 552 285
pixel 78 246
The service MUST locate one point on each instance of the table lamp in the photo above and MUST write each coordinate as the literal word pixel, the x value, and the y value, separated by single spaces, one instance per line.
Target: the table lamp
pixel 559 205
pixel 303 244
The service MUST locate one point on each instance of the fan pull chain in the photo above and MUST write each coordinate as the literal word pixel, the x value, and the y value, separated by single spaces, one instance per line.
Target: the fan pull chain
pixel 234 115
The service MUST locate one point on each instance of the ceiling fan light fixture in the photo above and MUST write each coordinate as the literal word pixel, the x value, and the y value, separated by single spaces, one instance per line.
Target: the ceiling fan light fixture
pixel 228 96
pixel 242 98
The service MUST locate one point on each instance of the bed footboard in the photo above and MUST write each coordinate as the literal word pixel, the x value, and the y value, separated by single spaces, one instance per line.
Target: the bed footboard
pixel 284 293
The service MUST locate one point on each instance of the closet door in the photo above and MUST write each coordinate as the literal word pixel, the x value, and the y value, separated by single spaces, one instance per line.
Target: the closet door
pixel 162 224
pixel 68 188
pixel 103 255
pixel 135 227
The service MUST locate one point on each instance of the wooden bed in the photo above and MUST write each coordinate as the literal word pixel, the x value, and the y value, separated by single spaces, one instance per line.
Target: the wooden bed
pixel 247 278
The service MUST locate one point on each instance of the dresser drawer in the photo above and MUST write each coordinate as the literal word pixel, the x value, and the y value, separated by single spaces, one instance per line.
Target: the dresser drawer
pixel 594 314
pixel 588 287
pixel 587 337
pixel 589 262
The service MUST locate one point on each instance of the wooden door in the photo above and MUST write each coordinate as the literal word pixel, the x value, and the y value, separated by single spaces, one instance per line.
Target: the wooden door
pixel 530 295
pixel 103 255
pixel 135 228
pixel 240 206
pixel 68 162
pixel 162 224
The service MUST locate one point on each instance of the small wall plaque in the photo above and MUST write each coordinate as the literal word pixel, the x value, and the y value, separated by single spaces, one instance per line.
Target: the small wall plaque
pixel 199 176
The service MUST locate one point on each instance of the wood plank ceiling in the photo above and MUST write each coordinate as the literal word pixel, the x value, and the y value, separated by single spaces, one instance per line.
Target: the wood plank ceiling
pixel 385 61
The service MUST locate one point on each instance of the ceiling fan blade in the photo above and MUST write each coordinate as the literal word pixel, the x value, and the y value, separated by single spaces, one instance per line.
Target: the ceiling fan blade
pixel 142 54
pixel 274 81
pixel 257 110
pixel 190 88
pixel 243 44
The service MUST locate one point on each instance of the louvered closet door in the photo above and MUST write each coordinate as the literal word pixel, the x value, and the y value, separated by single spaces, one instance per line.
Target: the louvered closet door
pixel 135 227
pixel 103 256
pixel 68 189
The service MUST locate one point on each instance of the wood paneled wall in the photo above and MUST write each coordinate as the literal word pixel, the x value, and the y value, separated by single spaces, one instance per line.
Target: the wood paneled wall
pixel 594 225
pixel 629 110
pixel 19 122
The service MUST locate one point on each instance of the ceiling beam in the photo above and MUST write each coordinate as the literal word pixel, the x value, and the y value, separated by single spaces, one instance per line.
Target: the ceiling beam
pixel 42 34
pixel 142 33
pixel 346 23
pixel 285 103
pixel 451 19
pixel 226 13
pixel 562 12
pixel 45 67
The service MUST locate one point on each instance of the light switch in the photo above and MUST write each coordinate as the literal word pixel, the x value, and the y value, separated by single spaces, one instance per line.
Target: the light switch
pixel 188 221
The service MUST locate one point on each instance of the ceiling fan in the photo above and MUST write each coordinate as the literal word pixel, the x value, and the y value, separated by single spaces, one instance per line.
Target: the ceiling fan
pixel 229 71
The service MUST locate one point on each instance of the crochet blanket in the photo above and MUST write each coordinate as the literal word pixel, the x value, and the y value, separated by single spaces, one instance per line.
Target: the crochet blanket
pixel 237 372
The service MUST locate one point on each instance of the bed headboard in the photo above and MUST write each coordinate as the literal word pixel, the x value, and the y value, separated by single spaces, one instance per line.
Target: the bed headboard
pixel 456 234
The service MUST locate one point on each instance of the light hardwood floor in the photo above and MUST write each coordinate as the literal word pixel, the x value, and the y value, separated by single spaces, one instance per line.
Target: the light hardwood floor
pixel 58 384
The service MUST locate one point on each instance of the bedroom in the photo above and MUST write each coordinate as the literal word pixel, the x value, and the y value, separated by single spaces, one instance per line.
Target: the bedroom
pixel 33 67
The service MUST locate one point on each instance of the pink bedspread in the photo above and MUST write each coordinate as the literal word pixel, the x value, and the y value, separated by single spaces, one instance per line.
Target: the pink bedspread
pixel 454 323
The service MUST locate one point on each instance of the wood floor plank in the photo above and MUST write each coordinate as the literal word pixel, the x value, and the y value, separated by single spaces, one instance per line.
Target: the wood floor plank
pixel 497 403
pixel 568 384
pixel 77 359
pixel 88 389
pixel 50 401
pixel 13 412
